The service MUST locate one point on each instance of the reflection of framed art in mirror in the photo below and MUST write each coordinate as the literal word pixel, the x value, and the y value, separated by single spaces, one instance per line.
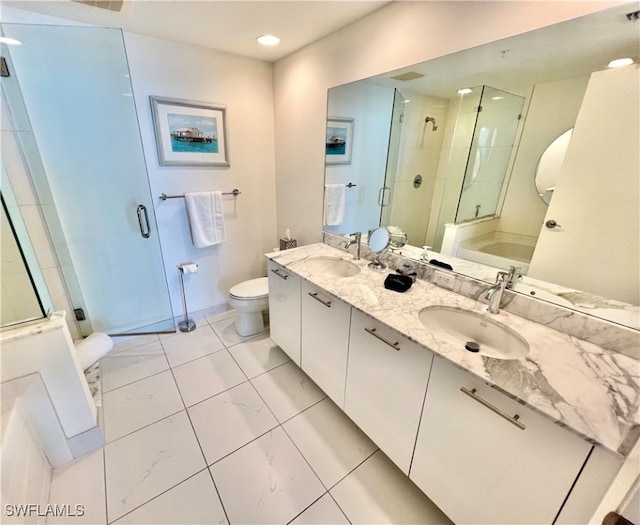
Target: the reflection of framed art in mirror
pixel 339 141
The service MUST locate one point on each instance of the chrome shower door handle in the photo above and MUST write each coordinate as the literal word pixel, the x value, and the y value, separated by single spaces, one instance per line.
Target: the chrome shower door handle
pixel 381 196
pixel 145 229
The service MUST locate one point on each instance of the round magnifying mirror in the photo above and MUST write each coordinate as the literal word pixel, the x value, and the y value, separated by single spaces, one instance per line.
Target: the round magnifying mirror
pixel 549 166
pixel 379 240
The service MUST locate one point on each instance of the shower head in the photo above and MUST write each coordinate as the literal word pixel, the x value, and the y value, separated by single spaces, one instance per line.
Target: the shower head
pixel 433 122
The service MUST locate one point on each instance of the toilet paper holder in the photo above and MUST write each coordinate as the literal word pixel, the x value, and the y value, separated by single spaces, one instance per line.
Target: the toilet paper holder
pixel 186 325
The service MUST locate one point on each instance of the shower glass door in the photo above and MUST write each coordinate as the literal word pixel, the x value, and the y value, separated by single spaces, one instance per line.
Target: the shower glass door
pixel 491 151
pixel 77 123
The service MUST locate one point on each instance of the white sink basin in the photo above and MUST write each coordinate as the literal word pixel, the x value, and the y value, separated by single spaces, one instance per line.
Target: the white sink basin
pixel 464 328
pixel 332 266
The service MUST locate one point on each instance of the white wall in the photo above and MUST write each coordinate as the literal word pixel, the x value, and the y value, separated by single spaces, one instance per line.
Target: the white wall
pixel 244 86
pixel 397 35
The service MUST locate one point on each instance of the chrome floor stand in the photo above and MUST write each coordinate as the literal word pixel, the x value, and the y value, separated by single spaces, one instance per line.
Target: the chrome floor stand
pixel 187 325
pixel 377 264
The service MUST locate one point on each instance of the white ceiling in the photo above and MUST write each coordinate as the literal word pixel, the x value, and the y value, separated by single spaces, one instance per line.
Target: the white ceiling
pixel 571 49
pixel 230 26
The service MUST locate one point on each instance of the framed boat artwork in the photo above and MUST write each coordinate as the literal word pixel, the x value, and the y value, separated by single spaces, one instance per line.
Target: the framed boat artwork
pixel 190 133
pixel 339 140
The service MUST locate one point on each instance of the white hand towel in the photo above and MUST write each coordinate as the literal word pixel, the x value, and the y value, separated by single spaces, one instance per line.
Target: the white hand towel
pixel 206 218
pixel 334 203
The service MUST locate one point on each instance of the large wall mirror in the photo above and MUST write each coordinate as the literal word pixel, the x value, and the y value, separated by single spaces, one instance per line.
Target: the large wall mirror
pixel 448 150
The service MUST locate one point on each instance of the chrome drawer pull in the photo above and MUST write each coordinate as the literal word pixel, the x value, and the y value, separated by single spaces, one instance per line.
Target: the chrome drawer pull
pixel 277 272
pixel 511 419
pixel 373 332
pixel 315 296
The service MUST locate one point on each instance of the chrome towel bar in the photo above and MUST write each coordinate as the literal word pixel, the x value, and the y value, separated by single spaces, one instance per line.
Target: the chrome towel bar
pixel 163 196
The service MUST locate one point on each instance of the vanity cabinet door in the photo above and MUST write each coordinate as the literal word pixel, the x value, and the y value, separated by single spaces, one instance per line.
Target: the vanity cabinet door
pixel 284 309
pixel 325 340
pixel 480 467
pixel 387 378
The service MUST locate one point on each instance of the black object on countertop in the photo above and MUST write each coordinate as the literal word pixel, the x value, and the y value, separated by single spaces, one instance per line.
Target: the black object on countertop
pixel 441 264
pixel 397 282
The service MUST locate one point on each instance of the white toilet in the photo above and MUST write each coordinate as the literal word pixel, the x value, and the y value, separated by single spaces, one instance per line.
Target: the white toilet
pixel 250 299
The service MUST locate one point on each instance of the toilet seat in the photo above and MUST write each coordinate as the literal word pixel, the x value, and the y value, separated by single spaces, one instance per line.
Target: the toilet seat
pixel 250 290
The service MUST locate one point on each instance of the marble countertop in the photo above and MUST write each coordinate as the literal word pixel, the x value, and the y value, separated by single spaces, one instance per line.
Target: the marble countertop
pixel 593 391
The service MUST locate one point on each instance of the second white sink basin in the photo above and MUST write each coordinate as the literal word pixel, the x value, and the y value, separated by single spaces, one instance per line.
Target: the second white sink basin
pixel 332 266
pixel 473 332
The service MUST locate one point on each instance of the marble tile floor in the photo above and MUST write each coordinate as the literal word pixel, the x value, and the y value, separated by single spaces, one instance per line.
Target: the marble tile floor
pixel 210 427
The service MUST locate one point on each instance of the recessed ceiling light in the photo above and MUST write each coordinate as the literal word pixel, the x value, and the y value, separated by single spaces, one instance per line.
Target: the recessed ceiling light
pixel 10 41
pixel 465 91
pixel 268 40
pixel 621 62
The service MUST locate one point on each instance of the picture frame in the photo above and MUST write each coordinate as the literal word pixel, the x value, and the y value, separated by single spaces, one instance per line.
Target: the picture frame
pixel 339 140
pixel 190 133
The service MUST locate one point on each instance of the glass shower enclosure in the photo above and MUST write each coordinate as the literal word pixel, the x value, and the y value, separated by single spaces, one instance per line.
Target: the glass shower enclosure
pixel 73 113
pixel 498 116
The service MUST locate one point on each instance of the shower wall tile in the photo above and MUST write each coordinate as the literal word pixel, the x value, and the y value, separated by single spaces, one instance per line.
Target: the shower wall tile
pixel 39 237
pixel 32 214
pixel 58 293
pixel 16 170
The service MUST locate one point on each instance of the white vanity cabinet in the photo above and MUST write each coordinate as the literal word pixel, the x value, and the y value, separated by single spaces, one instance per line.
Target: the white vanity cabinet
pixel 284 309
pixel 325 340
pixel 484 458
pixel 387 378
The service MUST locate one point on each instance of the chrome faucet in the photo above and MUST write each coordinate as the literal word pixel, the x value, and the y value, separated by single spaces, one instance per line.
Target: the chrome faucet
pixel 356 240
pixel 495 291
pixel 515 273
pixel 504 281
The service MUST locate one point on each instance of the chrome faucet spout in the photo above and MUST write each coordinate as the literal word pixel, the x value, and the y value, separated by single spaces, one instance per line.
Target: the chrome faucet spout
pixel 515 273
pixel 357 237
pixel 495 291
